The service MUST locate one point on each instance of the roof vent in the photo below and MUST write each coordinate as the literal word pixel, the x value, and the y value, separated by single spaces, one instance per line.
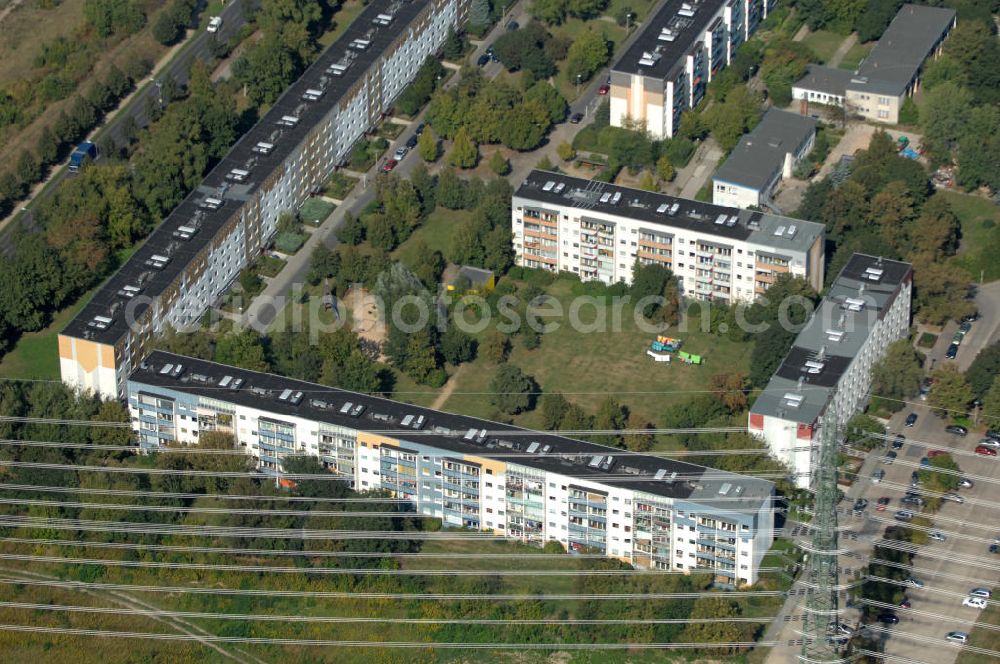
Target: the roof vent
pixel 319 404
pixel 792 230
pixel 663 207
pixel 288 121
pixel 724 489
pixel 660 474
pixel 559 188
pixel 779 231
pixel 813 367
pixel 674 208
pixel 874 274
pixel 263 147
pixel 211 203
pixel 238 175
pixel 548 185
pixel 721 219
pixel 835 335
pixel 312 94
pixel 853 304
pixel 793 400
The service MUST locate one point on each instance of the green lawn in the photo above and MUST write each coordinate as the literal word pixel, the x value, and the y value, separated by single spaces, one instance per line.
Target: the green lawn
pixel 565 362
pixel 315 210
pixel 348 11
pixel 824 44
pixel 340 185
pixel 855 55
pixel 571 29
pixel 640 9
pixel 36 354
pixel 980 244
pixel 436 231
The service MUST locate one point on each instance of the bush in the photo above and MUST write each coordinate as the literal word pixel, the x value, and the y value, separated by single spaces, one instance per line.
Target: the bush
pixel 289 243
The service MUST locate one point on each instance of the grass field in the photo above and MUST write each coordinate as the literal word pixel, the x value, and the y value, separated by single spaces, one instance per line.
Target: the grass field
pixel 855 55
pixel 572 29
pixel 980 243
pixel 315 210
pixel 823 43
pixel 436 232
pixel 36 354
pixel 565 362
pixel 27 28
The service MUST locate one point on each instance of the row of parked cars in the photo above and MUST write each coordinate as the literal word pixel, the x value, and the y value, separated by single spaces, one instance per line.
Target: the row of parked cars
pixel 963 328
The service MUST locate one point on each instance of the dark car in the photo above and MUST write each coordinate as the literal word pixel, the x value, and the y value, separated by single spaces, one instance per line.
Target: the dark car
pixel 513 25
pixel 965 327
pixel 993 435
pixel 903 515
pixel 994 548
pixel 914 478
pixel 956 429
pixel 575 118
pixel 935 453
pixel 859 505
pixel 970 318
pixel 951 352
pixel 906 603
pixel 883 503
pixel 911 419
pixel 897 442
pixel 419 130
pixel 483 60
pixel 889 458
pixel 888 618
pixel 916 501
pixel 411 142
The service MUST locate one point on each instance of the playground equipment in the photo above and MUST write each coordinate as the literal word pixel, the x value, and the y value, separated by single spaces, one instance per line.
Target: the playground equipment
pixel 659 357
pixel 663 343
pixel 689 358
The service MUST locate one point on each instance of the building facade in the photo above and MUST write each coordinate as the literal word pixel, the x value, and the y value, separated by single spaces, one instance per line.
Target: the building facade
pixel 667 69
pixel 194 256
pixel 829 366
pixel 598 231
pixel 890 74
pixel 526 485
pixel 762 159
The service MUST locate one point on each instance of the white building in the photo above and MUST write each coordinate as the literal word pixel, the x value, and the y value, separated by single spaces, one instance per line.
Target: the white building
pixel 866 309
pixel 530 486
pixel 679 50
pixel 890 73
pixel 193 257
pixel 763 158
pixel 598 230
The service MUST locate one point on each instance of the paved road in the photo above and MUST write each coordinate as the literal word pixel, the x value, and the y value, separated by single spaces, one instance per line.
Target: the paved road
pixel 199 47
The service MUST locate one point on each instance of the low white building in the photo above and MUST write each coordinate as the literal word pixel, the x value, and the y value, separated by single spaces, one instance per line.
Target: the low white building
pixel 829 367
pixel 763 158
pixel 527 485
pixel 598 230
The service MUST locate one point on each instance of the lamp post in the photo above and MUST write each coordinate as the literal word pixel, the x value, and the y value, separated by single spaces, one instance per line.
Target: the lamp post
pixel 628 22
pixel 578 84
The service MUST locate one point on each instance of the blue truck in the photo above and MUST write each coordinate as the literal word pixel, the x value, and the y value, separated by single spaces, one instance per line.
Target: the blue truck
pixel 84 152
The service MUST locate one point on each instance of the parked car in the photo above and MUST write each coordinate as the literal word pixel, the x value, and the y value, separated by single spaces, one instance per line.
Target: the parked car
pixel 882 503
pixel 957 338
pixel 575 118
pixel 877 476
pixel 412 141
pixel 992 435
pixel 400 153
pixel 994 548
pixel 912 499
pixel 844 629
pixel 483 60
pixel 957 637
pixel 214 24
pixel 970 318
pixel 985 451
pixel 860 505
pixel 911 419
pixel 897 442
pixel 935 453
pixel 974 602
pixel 965 327
pixel 604 89
pixel 924 461
pixel 964 483
pixel 937 536
pixel 914 582
pixel 951 352
pixel 985 593
pixel 888 618
pixel 903 515
pixel 956 429
pixel 419 130
pixel 889 458
pixel 989 442
pixel 906 603
pixel 953 497
pixel 389 165
pixel 914 479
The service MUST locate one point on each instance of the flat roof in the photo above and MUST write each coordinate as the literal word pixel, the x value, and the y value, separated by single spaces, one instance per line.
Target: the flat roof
pixel 152 281
pixel 446 431
pixel 902 49
pixel 686 30
pixel 828 80
pixel 832 338
pixel 760 153
pixel 659 210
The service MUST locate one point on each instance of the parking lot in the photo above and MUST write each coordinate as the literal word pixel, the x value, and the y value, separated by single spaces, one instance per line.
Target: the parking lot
pixel 948 569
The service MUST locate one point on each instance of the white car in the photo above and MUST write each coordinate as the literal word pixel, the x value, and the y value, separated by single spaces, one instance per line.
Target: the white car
pixel 981 592
pixel 957 637
pixel 974 602
pixel 214 24
pixel 400 153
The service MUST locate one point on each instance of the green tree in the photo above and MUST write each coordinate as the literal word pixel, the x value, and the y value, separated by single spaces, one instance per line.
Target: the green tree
pixel 611 417
pixel 454 45
pixel 512 390
pixel 166 29
pixel 457 346
pixel 464 152
pixel 648 182
pixel 979 148
pixel 984 368
pixel 565 151
pixel 991 405
pixel 898 373
pixel 664 169
pixel 552 12
pixel 428 146
pixel 110 16
pixel 864 432
pixel 941 291
pixel 479 13
pixel 718 629
pixel 499 164
pixel 548 98
pixel 243 349
pixel 729 120
pixel 935 231
pixel 639 439
pixel 588 53
pixel 497 347
pixel 943 117
pixel 951 395
pixel 554 409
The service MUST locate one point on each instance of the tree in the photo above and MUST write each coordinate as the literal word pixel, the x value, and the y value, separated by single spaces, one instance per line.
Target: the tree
pixel 898 373
pixel 941 291
pixel 944 116
pixel 552 12
pixel 48 146
pixel 166 29
pixel 979 150
pixel 243 349
pixel 497 347
pixel 588 53
pixel 731 389
pixel 935 232
pixel 464 152
pixel 611 416
pixel 648 182
pixel 864 432
pixel 499 164
pixel 718 629
pixel 768 351
pixel 565 151
pixel 991 405
pixel 664 169
pixel 554 409
pixel 457 346
pixel 28 169
pixel 548 98
pixel 479 13
pixel 427 146
pixel 454 45
pixel 639 439
pixel 951 395
pixel 109 16
pixel 984 368
pixel 512 391
pixel 729 120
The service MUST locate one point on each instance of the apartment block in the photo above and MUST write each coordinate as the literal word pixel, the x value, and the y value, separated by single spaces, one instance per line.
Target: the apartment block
pixel 890 73
pixel 526 485
pixel 828 370
pixel 680 49
pixel 598 230
pixel 197 252
pixel 762 159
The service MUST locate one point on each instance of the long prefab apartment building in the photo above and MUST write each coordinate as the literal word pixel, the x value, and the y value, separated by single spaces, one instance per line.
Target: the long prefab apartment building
pixel 667 69
pixel 526 485
pixel 197 252
pixel 598 230
pixel 829 366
